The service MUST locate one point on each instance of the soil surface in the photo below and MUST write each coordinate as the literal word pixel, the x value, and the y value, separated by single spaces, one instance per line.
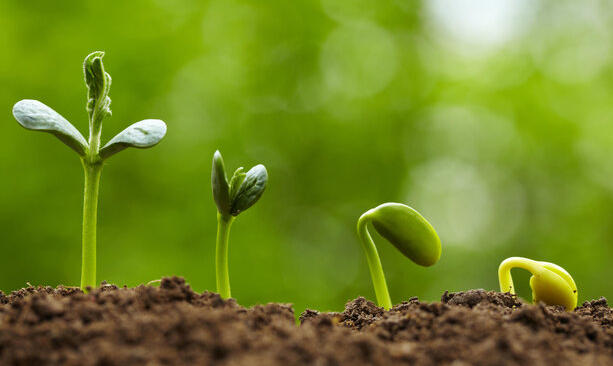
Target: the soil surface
pixel 172 325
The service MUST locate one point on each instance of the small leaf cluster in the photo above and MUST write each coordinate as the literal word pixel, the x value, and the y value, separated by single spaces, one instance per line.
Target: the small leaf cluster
pixel 241 192
pixel 34 115
pixel 98 84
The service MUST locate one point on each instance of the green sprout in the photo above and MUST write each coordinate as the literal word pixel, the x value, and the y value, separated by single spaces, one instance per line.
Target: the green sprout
pixel 408 231
pixel 243 190
pixel 35 115
pixel 550 283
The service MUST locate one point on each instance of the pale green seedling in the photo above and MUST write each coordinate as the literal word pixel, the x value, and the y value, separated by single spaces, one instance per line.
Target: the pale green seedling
pixel 550 283
pixel 35 115
pixel 232 198
pixel 408 231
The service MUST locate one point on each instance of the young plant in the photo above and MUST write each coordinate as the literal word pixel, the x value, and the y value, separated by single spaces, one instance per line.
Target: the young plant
pixel 35 115
pixel 550 283
pixel 408 231
pixel 232 198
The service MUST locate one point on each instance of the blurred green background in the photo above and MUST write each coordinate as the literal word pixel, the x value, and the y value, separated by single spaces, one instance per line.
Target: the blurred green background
pixel 492 118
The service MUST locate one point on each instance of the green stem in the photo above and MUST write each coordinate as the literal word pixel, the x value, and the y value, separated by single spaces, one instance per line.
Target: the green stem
pixel 221 254
pixel 90 218
pixel 374 263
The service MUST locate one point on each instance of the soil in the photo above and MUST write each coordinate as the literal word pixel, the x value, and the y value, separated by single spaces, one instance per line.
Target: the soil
pixel 173 325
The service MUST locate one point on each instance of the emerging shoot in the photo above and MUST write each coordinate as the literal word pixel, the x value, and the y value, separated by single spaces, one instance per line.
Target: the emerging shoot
pixel 35 115
pixel 550 283
pixel 408 231
pixel 232 198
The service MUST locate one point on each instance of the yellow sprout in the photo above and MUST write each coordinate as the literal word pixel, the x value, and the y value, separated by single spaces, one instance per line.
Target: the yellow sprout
pixel 550 283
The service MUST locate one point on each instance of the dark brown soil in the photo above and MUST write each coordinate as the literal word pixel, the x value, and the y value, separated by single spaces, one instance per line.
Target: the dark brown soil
pixel 172 325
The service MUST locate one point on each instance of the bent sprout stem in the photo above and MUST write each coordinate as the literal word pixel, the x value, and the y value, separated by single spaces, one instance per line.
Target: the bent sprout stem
pixel 34 115
pixel 374 263
pixel 221 254
pixel 550 283
pixel 504 271
pixel 406 230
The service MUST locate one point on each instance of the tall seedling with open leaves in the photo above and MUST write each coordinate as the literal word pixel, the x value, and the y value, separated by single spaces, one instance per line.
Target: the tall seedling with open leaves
pixel 35 115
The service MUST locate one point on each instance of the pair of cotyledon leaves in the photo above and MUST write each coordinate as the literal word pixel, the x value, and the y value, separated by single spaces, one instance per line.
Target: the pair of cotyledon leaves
pixel 243 190
pixel 34 115
pixel 408 231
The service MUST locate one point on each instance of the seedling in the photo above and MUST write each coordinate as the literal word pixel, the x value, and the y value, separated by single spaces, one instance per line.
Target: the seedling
pixel 35 115
pixel 550 283
pixel 408 231
pixel 243 190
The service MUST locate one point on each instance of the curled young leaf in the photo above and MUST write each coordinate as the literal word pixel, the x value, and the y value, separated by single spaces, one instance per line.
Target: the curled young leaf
pixel 141 135
pixel 250 190
pixel 98 86
pixel 235 182
pixel 219 182
pixel 34 115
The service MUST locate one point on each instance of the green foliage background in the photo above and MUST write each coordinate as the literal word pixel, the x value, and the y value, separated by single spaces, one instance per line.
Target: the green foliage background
pixel 493 119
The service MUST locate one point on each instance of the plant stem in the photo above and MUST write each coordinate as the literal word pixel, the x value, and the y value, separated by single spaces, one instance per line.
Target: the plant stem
pixel 374 263
pixel 90 218
pixel 224 222
pixel 504 271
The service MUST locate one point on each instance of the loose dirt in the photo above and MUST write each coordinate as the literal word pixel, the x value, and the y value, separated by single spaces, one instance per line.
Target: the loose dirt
pixel 173 325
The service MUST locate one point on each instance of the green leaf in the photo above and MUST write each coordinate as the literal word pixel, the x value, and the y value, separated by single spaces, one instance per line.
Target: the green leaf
pixel 35 115
pixel 141 135
pixel 98 86
pixel 408 231
pixel 219 182
pixel 251 189
pixel 237 179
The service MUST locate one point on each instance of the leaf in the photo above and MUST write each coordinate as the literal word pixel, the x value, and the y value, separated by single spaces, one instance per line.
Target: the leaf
pixel 219 182
pixel 98 84
pixel 408 231
pixel 554 286
pixel 141 135
pixel 250 190
pixel 235 182
pixel 36 116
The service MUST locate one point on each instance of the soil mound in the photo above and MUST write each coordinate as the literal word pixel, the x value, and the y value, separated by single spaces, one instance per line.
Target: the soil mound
pixel 173 325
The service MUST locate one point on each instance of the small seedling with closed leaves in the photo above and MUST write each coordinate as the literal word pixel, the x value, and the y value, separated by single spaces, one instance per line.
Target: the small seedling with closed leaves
pixel 35 115
pixel 550 283
pixel 408 231
pixel 232 197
